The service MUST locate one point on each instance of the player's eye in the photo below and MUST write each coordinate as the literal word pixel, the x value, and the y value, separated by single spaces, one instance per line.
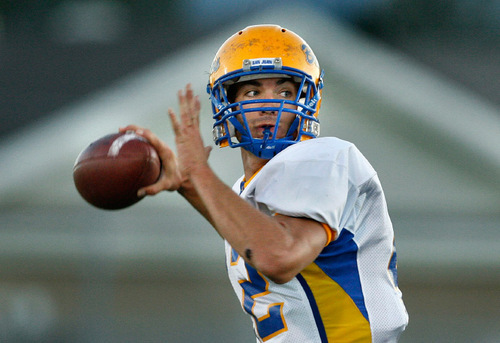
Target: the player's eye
pixel 251 93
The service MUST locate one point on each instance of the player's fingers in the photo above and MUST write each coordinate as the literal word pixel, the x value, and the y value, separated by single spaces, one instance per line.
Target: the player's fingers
pixel 170 178
pixel 193 106
pixel 196 110
pixel 189 92
pixel 163 184
pixel 188 104
pixel 174 121
pixel 182 106
pixel 129 128
pixel 169 164
pixel 170 175
pixel 149 190
pixel 185 116
pixel 166 154
pixel 153 139
pixel 140 131
pixel 157 188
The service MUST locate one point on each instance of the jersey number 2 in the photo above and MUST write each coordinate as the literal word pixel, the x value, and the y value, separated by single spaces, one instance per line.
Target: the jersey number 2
pixel 255 288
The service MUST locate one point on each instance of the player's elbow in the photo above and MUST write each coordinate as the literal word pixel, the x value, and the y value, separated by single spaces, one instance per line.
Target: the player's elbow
pixel 278 269
pixel 281 279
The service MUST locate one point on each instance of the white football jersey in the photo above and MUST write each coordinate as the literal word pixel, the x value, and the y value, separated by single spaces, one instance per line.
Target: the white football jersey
pixel 350 292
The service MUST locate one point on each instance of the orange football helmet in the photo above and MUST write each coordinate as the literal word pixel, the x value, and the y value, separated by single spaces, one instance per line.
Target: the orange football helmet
pixel 264 51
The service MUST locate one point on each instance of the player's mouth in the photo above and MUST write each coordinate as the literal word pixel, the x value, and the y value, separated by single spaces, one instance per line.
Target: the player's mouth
pixel 264 123
pixel 265 129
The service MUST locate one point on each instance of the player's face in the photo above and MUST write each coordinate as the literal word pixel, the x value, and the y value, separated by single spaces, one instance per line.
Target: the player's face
pixel 275 88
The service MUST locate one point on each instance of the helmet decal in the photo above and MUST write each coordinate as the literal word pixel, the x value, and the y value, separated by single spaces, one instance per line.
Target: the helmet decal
pixel 309 55
pixel 215 65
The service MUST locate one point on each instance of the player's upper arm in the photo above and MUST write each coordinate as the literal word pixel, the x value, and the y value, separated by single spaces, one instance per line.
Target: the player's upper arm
pixel 304 240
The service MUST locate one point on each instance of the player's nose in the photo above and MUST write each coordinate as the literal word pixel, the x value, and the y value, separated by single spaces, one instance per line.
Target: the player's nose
pixel 270 108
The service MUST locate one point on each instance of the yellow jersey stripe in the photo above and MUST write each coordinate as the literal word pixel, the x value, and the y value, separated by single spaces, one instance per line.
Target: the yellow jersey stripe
pixel 341 319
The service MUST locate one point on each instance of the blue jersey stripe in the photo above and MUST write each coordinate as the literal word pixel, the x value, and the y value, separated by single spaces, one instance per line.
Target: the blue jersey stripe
pixel 393 267
pixel 339 261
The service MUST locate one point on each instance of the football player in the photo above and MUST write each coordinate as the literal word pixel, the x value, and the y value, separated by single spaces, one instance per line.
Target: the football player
pixel 309 242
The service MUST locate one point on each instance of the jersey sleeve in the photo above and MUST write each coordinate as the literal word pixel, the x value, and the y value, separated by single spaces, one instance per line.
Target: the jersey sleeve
pixel 316 179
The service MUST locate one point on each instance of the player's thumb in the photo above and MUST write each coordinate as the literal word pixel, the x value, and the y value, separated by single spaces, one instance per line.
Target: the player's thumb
pixel 165 184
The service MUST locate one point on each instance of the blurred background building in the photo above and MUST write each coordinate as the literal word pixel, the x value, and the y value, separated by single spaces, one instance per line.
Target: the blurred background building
pixel 415 84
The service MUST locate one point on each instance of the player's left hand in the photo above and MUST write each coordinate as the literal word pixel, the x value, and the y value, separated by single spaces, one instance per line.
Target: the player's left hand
pixel 191 151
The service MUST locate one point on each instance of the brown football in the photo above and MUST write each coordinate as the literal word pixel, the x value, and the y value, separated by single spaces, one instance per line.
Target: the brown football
pixel 109 172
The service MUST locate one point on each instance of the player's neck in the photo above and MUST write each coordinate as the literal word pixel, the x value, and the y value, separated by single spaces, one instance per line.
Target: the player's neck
pixel 251 163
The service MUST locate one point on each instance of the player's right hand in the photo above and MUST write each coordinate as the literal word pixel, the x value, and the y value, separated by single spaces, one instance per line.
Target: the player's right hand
pixel 170 177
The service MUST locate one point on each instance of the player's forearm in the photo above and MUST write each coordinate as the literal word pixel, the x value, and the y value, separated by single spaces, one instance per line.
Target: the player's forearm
pixel 260 239
pixel 190 194
pixel 217 202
